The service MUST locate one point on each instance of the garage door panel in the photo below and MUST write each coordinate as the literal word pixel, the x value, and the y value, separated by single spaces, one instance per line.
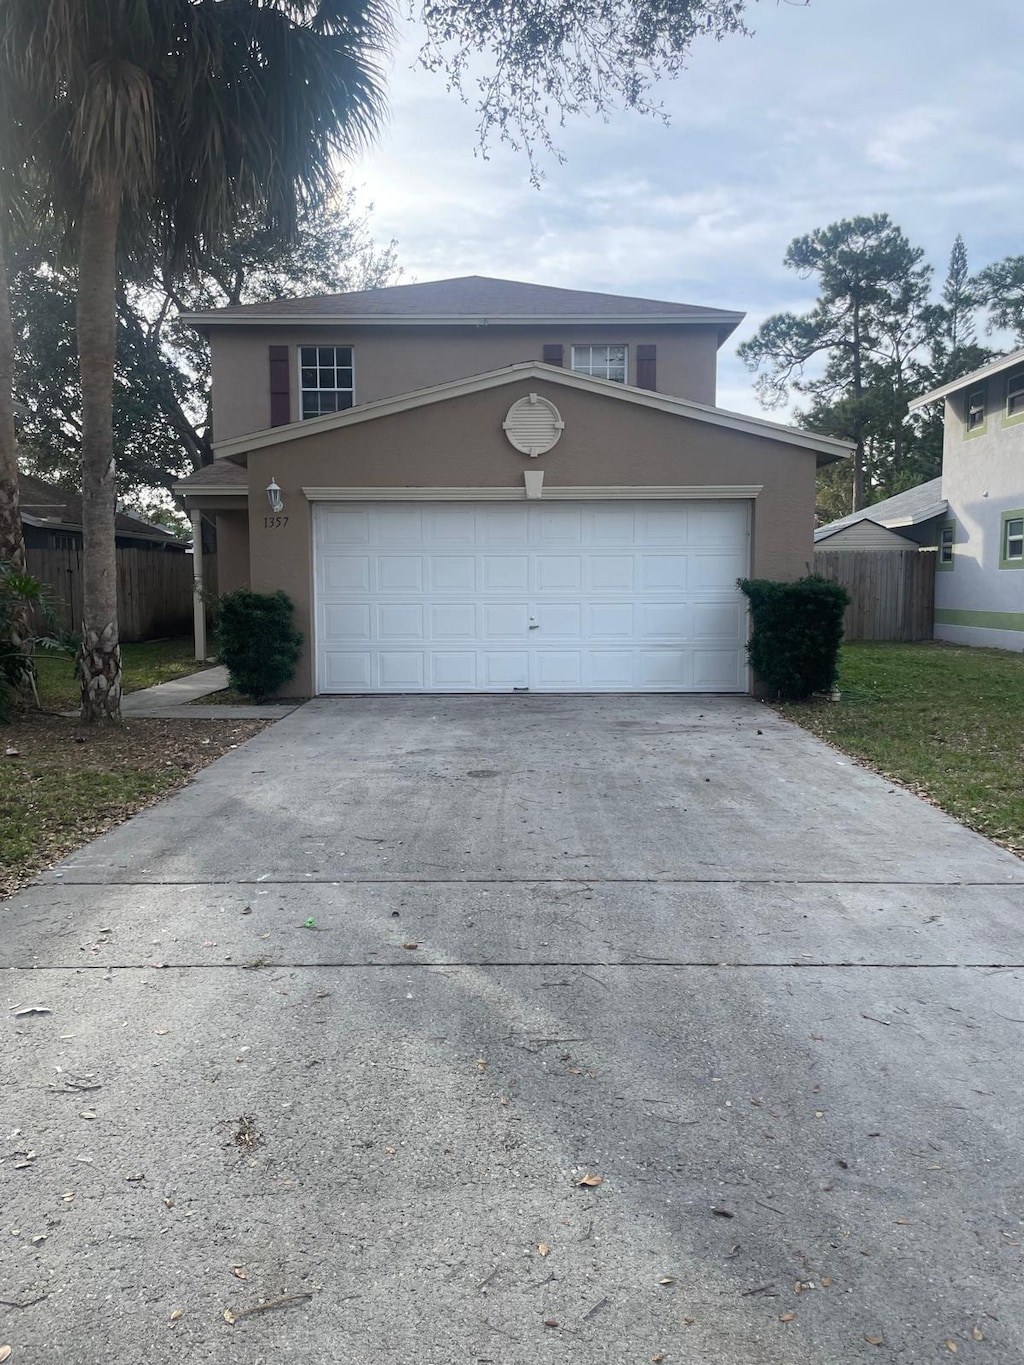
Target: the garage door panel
pixel 347 671
pixel 555 597
pixel 610 524
pixel 716 570
pixel 453 573
pixel 611 620
pixel 613 669
pixel 666 621
pixel 505 573
pixel 505 621
pixel 717 670
pixel 559 621
pixel 399 524
pixel 506 669
pixel 498 525
pixel 556 524
pixel 453 621
pixel 450 525
pixel 341 621
pixel 662 572
pixel 400 573
pixel 559 670
pixel 611 573
pixel 717 620
pixel 402 669
pixel 345 573
pixel 455 670
pixel 664 668
pixel 558 573
pixel 344 526
pixel 400 621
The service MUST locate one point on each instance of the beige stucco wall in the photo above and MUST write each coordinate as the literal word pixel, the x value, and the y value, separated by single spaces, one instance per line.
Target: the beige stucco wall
pixel 232 550
pixel 460 443
pixel 395 360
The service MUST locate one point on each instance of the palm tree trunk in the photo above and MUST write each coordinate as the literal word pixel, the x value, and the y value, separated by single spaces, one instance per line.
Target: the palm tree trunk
pixel 12 540
pixel 100 651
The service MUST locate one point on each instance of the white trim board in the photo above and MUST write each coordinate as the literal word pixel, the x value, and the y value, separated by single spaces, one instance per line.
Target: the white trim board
pixel 240 446
pixel 513 493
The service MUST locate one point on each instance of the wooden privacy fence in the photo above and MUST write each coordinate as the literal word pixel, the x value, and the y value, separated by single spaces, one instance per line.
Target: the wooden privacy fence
pixel 892 592
pixel 154 589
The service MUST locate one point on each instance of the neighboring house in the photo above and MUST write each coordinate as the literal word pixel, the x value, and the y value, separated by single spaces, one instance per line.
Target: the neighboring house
pixel 481 485
pixel 972 517
pixel 979 584
pixel 896 523
pixel 52 519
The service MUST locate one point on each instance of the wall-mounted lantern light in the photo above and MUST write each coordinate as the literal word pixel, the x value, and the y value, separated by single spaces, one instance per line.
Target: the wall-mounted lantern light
pixel 274 496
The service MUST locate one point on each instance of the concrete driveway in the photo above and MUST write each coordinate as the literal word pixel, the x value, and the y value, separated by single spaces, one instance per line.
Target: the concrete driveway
pixel 346 1022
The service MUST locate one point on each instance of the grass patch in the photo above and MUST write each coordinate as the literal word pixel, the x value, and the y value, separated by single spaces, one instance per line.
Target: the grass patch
pixel 144 665
pixel 68 783
pixel 944 720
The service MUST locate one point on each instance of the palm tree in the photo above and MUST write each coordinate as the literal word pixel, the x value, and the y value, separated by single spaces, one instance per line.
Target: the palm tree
pixel 154 125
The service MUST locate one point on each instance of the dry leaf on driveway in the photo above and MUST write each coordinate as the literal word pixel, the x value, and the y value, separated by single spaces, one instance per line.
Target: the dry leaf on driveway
pixel 590 1181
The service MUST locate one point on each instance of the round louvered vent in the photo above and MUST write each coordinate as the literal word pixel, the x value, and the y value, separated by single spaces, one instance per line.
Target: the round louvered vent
pixel 533 425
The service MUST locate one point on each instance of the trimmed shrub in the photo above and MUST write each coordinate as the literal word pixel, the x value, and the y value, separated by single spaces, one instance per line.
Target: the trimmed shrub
pixel 797 629
pixel 257 641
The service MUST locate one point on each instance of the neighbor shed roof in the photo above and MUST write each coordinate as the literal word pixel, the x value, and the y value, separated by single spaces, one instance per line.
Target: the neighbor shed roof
pixel 903 509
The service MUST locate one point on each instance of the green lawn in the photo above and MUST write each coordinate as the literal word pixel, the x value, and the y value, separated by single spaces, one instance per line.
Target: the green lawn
pixel 144 665
pixel 946 721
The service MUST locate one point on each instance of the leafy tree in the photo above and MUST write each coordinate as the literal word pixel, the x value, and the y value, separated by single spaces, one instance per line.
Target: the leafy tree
pixel 165 122
pixel 534 64
pixel 162 402
pixel 1000 287
pixel 867 321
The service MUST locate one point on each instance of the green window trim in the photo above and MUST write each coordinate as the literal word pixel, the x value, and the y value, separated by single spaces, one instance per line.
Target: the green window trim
pixel 945 538
pixel 1013 398
pixel 1008 539
pixel 976 403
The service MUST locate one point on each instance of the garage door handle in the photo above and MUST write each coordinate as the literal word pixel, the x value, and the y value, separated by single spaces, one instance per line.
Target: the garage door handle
pixel 534 626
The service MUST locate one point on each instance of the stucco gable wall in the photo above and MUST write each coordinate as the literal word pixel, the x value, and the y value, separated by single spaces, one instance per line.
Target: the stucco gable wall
pixel 460 443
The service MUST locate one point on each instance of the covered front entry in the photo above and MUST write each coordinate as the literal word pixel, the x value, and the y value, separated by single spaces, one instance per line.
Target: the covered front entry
pixel 547 596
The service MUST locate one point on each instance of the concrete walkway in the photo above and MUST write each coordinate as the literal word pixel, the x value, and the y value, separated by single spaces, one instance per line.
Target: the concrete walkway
pixel 343 1026
pixel 166 700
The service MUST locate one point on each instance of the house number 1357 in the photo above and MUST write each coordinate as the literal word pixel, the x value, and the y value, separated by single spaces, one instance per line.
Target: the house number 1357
pixel 275 521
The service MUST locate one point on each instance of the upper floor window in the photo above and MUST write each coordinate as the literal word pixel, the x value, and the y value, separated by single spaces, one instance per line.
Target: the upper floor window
pixel 325 379
pixel 603 362
pixel 975 410
pixel 1015 394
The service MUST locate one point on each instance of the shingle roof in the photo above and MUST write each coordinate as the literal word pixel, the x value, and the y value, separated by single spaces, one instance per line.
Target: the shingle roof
pixel 47 504
pixel 471 297
pixel 903 509
pixel 221 474
pixel 1003 362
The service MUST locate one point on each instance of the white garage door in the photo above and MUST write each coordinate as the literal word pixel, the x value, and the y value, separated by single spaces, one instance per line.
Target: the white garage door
pixel 544 596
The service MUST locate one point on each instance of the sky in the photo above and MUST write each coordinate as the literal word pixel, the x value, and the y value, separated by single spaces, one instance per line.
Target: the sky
pixel 840 107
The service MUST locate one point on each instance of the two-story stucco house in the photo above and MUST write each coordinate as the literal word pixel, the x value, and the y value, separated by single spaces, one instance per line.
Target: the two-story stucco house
pixel 979 583
pixel 481 485
pixel 972 517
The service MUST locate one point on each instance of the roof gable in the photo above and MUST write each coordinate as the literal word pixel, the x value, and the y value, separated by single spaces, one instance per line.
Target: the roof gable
pixel 1004 362
pixel 826 447
pixel 470 299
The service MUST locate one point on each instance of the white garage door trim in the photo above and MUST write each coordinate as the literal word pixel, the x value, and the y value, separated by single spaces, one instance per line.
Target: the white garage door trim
pixel 453 595
pixel 512 493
